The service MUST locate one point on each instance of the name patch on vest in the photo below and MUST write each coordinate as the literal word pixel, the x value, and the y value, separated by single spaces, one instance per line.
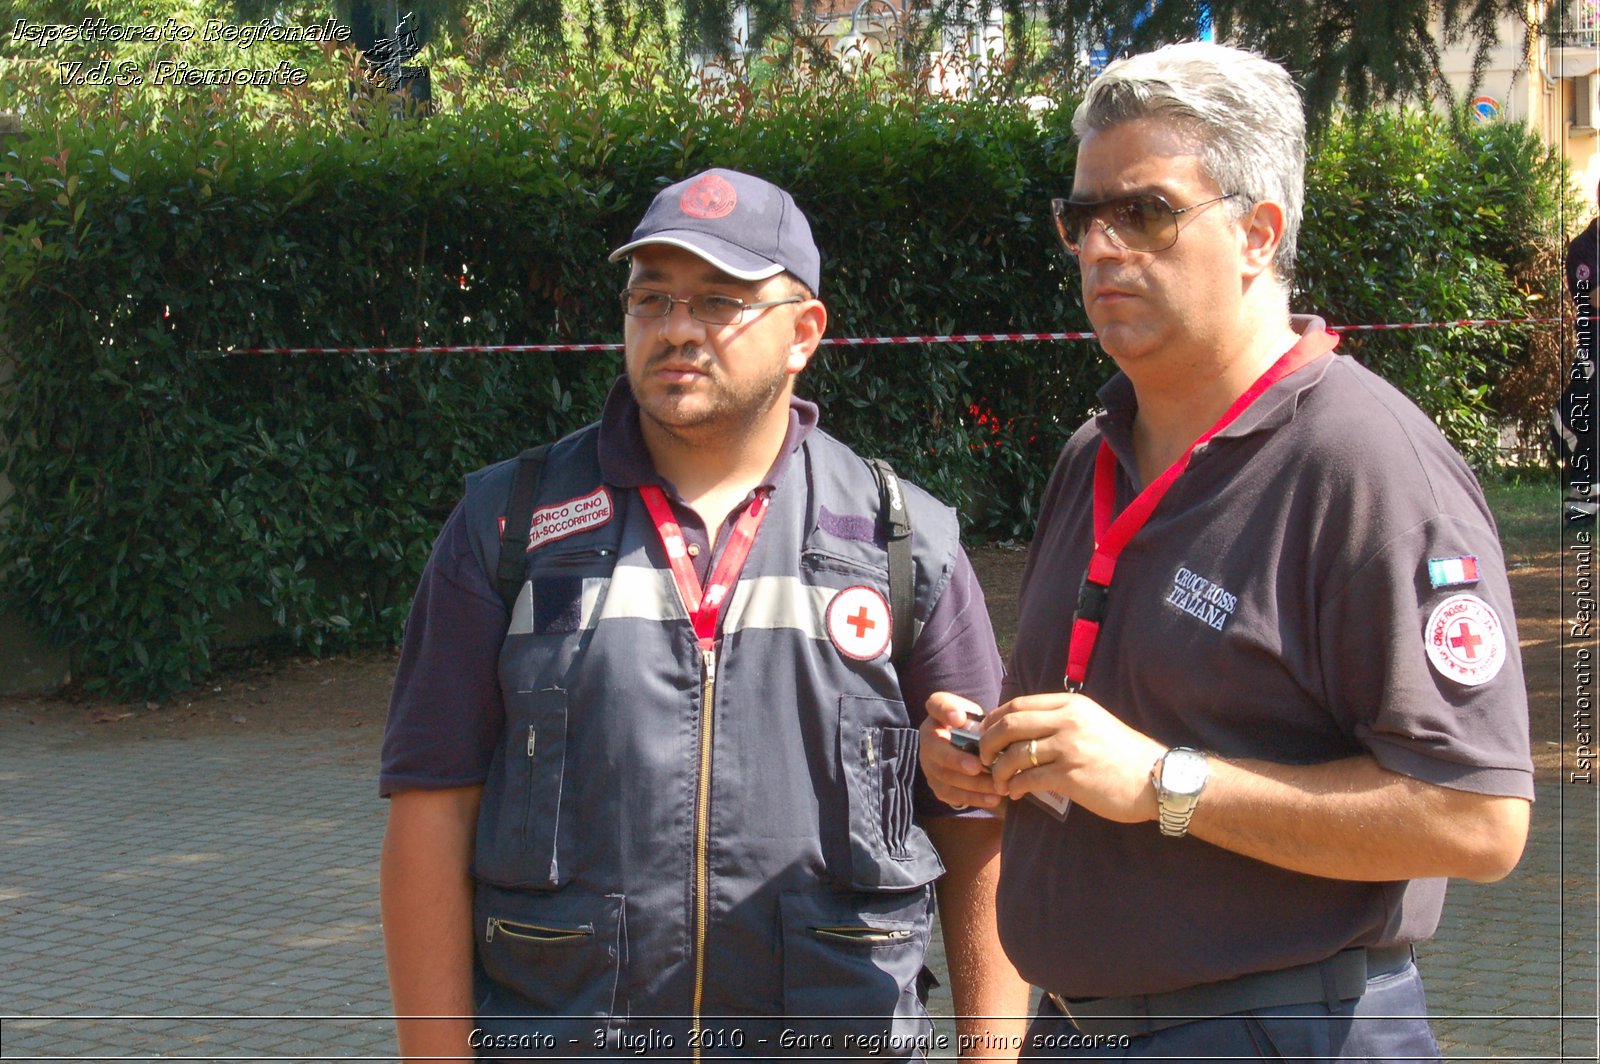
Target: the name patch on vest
pixel 564 519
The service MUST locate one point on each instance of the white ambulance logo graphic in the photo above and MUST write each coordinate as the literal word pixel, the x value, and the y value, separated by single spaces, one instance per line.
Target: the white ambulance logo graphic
pixel 858 623
pixel 1465 641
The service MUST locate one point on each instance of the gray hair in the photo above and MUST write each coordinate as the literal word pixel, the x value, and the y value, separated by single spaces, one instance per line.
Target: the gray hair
pixel 1244 109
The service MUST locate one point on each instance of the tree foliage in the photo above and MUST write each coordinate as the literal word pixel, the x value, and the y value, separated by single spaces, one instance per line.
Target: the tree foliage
pixel 1362 52
pixel 369 20
pixel 1356 53
pixel 1359 52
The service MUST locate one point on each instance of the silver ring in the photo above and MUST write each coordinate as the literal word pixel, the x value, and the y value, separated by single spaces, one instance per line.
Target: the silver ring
pixel 959 805
pixel 1033 753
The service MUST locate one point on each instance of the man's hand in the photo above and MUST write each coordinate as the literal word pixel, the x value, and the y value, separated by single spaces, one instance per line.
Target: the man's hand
pixel 958 779
pixel 1071 745
pixel 1348 819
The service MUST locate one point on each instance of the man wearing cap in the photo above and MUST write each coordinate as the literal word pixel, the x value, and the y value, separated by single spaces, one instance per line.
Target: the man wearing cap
pixel 1265 695
pixel 669 802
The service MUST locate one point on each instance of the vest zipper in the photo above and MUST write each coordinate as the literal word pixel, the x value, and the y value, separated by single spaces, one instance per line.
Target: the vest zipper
pixel 527 805
pixel 702 830
pixel 816 559
pixel 540 933
pixel 861 933
pixel 578 557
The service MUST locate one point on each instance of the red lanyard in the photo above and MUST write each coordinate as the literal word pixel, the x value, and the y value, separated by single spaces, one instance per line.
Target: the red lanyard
pixel 703 610
pixel 1110 536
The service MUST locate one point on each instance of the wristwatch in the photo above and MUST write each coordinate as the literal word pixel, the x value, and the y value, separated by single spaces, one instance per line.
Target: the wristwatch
pixel 1179 776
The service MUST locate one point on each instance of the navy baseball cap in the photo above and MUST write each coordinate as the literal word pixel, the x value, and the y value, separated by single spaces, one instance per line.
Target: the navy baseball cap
pixel 742 225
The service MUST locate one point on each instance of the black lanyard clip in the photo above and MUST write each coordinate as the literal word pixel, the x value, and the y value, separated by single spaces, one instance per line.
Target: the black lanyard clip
pixel 1092 599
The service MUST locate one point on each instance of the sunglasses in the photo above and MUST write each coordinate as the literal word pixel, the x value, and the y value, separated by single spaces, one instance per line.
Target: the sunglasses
pixel 1146 222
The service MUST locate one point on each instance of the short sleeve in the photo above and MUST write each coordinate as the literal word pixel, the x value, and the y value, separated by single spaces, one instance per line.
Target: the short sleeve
pixel 1420 650
pixel 955 652
pixel 446 712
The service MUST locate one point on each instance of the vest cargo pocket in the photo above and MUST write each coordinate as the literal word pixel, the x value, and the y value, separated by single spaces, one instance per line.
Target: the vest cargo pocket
pixel 851 968
pixel 550 955
pixel 520 814
pixel 897 773
pixel 888 851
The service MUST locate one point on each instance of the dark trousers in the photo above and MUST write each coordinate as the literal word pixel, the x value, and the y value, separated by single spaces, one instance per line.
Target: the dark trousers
pixel 1388 1022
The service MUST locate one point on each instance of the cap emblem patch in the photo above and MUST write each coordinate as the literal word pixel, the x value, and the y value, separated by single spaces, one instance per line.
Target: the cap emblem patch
pixel 1465 641
pixel 711 197
pixel 858 623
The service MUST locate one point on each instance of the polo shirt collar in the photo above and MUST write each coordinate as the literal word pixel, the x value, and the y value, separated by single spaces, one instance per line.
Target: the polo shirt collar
pixel 625 461
pixel 1276 406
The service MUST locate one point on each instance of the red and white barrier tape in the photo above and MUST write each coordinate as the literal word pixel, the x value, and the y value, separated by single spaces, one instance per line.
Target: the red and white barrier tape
pixel 1464 323
pixel 842 341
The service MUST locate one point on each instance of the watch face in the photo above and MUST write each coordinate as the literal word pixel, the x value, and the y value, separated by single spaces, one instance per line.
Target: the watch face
pixel 1183 772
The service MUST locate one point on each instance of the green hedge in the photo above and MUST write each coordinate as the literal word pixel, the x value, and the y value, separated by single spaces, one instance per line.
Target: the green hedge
pixel 1414 218
pixel 161 485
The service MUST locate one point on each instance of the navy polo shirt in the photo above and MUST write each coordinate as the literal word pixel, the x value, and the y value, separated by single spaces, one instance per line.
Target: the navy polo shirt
pixel 1323 581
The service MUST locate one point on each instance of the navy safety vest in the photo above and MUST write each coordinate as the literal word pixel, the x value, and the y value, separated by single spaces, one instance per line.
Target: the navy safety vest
pixel 696 856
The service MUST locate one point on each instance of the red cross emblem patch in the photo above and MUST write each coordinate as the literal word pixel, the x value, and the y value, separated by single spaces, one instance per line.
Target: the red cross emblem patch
pixel 858 623
pixel 1465 641
pixel 710 197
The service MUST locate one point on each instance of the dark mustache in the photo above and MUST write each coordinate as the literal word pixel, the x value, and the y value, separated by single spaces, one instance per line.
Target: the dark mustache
pixel 689 355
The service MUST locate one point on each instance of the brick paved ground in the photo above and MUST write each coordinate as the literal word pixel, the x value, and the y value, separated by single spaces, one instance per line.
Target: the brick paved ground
pixel 155 891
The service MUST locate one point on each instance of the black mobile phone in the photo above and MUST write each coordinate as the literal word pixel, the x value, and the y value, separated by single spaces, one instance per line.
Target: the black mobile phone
pixel 966 739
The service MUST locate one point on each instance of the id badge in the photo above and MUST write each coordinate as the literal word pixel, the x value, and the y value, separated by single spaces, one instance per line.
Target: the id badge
pixel 1053 803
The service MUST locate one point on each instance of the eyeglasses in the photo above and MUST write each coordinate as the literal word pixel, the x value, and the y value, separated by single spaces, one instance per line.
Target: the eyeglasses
pixel 1146 222
pixel 711 309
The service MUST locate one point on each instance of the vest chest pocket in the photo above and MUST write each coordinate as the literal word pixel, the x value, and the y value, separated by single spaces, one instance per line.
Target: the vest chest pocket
pixel 888 851
pixel 558 593
pixel 558 584
pixel 521 812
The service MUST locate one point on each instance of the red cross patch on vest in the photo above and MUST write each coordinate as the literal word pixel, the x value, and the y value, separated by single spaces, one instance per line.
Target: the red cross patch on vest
pixel 858 623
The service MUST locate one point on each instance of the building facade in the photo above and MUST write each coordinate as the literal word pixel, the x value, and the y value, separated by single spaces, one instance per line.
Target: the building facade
pixel 1548 78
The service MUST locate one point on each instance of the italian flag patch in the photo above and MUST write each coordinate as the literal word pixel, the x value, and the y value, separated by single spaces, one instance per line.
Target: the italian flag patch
pixel 1453 572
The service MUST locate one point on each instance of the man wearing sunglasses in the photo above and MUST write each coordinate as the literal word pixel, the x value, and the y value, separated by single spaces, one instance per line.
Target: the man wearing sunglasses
pixel 667 802
pixel 1265 696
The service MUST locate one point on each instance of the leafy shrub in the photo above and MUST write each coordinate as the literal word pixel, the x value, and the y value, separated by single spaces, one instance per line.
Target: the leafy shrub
pixel 162 485
pixel 1416 217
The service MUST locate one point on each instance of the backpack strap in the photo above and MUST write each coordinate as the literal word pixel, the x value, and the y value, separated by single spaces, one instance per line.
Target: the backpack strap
pixel 896 518
pixel 518 529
